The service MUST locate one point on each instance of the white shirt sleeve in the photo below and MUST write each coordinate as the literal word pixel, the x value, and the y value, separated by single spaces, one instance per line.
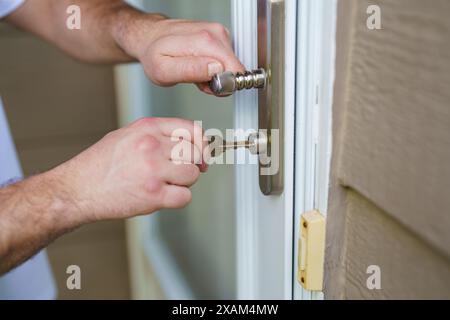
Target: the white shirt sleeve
pixel 8 6
pixel 32 280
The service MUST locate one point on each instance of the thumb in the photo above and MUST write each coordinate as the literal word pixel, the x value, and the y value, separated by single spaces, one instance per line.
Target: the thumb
pixel 187 70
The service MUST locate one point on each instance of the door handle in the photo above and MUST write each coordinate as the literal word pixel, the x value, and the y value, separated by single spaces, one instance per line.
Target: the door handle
pixel 225 84
pixel 270 80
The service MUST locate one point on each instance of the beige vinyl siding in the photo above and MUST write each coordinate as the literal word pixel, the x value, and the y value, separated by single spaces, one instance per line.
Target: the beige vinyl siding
pixel 390 193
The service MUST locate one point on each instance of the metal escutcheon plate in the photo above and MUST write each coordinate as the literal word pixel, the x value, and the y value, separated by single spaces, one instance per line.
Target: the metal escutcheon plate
pixel 271 57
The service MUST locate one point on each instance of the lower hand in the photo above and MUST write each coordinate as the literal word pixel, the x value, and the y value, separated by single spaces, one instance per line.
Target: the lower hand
pixel 132 171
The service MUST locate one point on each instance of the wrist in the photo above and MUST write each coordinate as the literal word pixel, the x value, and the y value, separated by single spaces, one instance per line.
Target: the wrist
pixel 33 213
pixel 52 195
pixel 40 209
pixel 133 30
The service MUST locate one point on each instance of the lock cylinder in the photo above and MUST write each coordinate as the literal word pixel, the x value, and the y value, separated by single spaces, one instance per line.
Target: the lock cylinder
pixel 225 84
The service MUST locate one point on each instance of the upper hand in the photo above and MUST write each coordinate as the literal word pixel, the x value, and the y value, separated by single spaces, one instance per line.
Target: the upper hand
pixel 181 51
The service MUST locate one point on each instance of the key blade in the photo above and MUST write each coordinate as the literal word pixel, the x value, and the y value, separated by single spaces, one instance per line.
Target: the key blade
pixel 219 146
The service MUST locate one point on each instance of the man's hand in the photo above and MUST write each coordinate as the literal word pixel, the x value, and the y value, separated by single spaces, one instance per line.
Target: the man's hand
pixel 130 172
pixel 180 51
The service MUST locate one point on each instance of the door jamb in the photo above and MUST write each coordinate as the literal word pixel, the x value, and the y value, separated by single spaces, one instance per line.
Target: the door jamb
pixel 315 80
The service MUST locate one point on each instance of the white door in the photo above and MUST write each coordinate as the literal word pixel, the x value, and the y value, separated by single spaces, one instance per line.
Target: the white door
pixel 264 223
pixel 232 242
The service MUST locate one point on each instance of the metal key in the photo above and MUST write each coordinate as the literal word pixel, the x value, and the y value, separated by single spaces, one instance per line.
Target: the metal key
pixel 255 143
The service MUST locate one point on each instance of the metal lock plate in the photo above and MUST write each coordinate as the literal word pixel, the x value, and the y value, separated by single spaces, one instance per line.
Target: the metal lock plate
pixel 271 57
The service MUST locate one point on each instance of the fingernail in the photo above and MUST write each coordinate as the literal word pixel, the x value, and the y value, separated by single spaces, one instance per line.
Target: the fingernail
pixel 214 68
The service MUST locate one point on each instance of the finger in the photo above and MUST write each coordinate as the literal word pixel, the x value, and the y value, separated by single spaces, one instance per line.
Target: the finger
pixel 182 152
pixel 177 129
pixel 175 197
pixel 204 87
pixel 188 69
pixel 184 175
pixel 201 44
pixel 203 166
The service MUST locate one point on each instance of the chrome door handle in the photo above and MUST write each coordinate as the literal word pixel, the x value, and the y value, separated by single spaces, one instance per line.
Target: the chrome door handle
pixel 225 84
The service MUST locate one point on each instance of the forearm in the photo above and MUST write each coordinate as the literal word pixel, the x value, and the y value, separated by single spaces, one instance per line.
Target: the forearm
pixel 131 171
pixel 32 214
pixel 106 26
pixel 171 51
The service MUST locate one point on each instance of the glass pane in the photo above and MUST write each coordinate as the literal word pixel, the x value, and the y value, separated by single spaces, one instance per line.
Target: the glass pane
pixel 201 237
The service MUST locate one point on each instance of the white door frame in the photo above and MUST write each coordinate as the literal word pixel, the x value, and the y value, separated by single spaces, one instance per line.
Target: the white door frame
pixel 310 55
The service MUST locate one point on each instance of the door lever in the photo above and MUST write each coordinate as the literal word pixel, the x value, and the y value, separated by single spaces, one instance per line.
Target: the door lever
pixel 225 84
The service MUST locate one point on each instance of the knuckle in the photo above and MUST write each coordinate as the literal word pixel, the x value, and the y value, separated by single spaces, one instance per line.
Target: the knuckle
pixel 148 143
pixel 153 185
pixel 220 29
pixel 207 36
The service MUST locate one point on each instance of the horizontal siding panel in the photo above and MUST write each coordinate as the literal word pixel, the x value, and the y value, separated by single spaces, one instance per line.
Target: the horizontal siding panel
pixel 396 142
